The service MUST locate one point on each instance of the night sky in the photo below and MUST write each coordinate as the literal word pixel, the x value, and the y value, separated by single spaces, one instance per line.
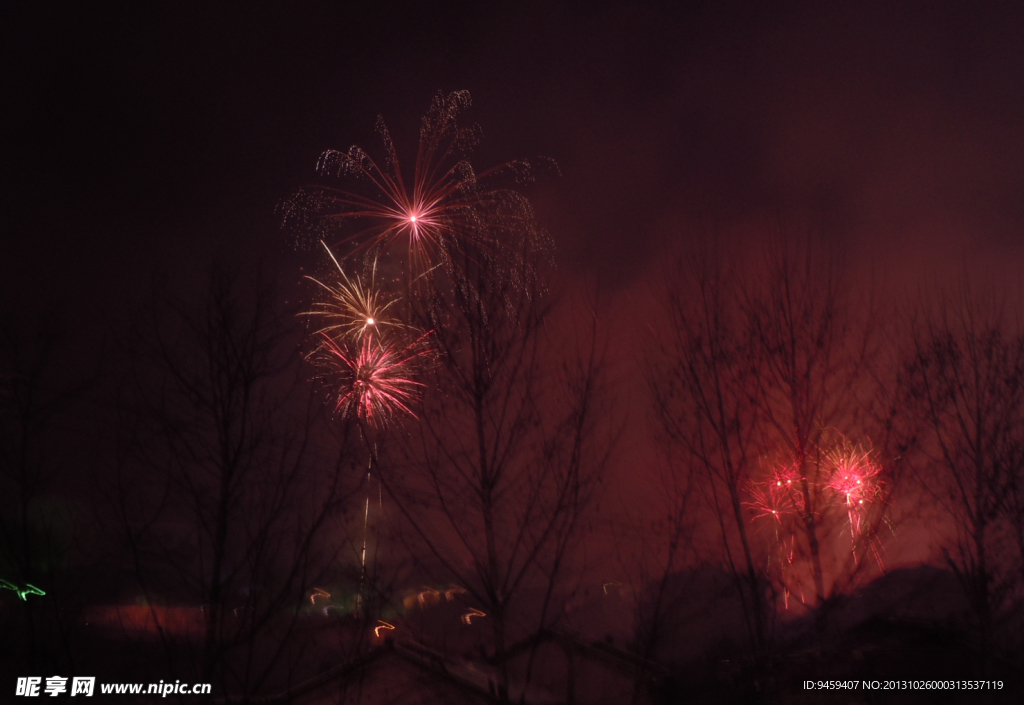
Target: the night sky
pixel 144 140
pixel 144 135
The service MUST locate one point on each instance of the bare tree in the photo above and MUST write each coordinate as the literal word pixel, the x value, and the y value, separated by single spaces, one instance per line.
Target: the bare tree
pixel 763 381
pixel 964 398
pixel 654 549
pixel 814 381
pixel 503 461
pixel 227 476
pixel 702 382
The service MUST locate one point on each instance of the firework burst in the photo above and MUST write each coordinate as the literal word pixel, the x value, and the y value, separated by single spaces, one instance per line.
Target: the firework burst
pixel 767 503
pixel 353 307
pixel 375 379
pixel 446 207
pixel 842 480
pixel 855 478
pixel 773 497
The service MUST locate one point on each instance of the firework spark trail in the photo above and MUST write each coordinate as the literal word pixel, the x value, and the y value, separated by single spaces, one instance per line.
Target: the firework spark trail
pixel 366 524
pixel 452 591
pixel 23 592
pixel 368 360
pixel 447 207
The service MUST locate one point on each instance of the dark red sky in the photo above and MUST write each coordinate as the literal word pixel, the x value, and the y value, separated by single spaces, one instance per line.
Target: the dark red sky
pixel 144 133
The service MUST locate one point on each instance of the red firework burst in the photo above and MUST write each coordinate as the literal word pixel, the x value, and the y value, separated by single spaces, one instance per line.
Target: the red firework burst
pixel 446 207
pixel 773 498
pixel 375 379
pixel 847 477
pixel 855 478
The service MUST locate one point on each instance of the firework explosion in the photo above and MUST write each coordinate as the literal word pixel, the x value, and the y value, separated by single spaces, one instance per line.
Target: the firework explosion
pixel 850 478
pixel 774 499
pixel 374 378
pixel 446 207
pixel 855 478
pixel 367 355
pixel 353 308
pixel 447 217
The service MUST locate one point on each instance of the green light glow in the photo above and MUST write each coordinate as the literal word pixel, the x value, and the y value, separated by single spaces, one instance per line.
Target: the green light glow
pixel 29 589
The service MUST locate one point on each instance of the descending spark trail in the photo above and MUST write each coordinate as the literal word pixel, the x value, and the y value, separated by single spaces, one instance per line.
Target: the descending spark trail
pixel 444 217
pixel 366 522
pixel 773 499
pixel 366 530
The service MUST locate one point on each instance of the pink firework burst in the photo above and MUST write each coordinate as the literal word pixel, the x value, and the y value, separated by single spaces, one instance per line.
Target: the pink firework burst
pixel 446 206
pixel 773 497
pixel 854 476
pixel 375 380
pixel 767 502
